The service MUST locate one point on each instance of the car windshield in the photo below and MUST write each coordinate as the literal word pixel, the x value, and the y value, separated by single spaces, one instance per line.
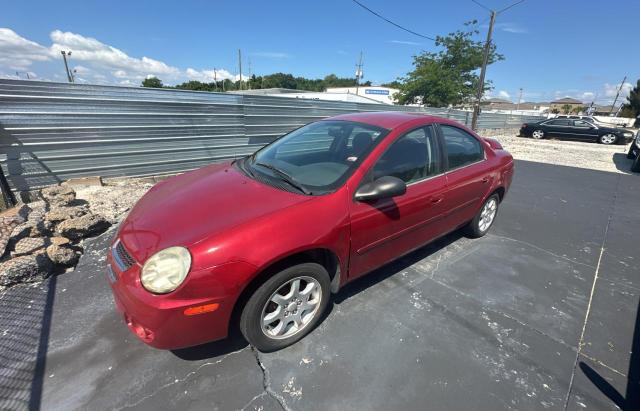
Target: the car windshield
pixel 316 158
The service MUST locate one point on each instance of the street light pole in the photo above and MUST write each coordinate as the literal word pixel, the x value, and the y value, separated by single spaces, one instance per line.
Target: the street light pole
pixel 519 100
pixel 66 66
pixel 483 70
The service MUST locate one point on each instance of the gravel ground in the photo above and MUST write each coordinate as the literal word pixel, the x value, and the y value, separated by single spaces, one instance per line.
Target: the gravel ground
pixel 115 198
pixel 565 153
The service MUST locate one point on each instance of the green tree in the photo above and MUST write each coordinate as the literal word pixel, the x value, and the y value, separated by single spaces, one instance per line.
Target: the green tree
pixel 632 107
pixel 448 77
pixel 154 82
pixel 577 109
pixel 566 108
pixel 555 110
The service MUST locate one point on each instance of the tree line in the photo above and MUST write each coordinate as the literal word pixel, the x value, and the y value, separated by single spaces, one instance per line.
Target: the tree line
pixel 276 80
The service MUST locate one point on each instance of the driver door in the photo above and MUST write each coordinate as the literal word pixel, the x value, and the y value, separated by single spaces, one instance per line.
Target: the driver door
pixel 382 230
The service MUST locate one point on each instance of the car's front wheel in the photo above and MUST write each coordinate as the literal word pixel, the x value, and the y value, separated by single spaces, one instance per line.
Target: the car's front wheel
pixel 286 307
pixel 481 223
pixel 608 138
pixel 537 134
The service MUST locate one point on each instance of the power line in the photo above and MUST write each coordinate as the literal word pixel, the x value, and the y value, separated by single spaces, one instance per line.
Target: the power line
pixel 391 22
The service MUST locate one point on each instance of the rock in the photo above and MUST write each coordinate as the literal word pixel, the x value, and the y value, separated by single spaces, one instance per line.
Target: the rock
pixel 62 255
pixel 31 228
pixel 84 226
pixel 25 269
pixel 9 220
pixel 59 195
pixel 60 241
pixel 58 214
pixel 84 181
pixel 29 245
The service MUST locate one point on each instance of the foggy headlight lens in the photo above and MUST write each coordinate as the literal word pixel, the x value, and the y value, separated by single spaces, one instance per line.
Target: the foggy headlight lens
pixel 166 270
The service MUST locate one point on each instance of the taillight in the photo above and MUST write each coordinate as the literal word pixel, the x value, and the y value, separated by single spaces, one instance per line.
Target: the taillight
pixel 523 125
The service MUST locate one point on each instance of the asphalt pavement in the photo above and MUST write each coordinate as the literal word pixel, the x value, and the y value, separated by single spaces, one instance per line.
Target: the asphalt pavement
pixel 542 313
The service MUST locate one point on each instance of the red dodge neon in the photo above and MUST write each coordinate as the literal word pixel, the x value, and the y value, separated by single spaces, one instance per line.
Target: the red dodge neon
pixel 262 242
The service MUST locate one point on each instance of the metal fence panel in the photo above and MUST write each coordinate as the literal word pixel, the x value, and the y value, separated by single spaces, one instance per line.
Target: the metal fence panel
pixel 50 132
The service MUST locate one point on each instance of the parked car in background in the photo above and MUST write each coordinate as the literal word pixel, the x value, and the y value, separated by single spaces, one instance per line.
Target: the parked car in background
pixel 575 129
pixel 634 153
pixel 261 243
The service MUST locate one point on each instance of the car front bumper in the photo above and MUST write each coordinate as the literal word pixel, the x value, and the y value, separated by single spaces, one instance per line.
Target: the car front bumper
pixel 161 321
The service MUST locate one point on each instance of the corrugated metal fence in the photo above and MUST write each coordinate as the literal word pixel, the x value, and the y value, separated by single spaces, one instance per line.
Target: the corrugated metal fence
pixel 50 132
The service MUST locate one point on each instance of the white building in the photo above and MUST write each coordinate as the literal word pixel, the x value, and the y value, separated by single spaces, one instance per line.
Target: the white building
pixel 378 93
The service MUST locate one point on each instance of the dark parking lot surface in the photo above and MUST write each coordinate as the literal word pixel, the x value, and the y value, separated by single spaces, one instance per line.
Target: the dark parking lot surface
pixel 488 324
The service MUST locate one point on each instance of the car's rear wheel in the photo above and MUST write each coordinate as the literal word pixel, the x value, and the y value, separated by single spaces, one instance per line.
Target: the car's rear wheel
pixel 286 307
pixel 538 134
pixel 630 154
pixel 608 138
pixel 635 167
pixel 483 221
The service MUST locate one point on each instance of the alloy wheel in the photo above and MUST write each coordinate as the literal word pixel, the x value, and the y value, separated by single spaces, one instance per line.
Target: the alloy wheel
pixel 291 307
pixel 608 139
pixel 488 214
pixel 538 134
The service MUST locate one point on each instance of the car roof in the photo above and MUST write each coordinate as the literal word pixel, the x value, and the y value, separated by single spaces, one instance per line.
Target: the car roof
pixel 386 119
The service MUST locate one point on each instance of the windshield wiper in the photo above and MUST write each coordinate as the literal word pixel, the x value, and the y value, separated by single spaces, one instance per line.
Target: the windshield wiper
pixel 285 177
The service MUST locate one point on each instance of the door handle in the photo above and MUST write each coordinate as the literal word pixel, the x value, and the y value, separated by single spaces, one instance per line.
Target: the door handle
pixel 436 200
pixel 486 179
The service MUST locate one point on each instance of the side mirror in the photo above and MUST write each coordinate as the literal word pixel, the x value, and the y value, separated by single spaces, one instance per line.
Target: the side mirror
pixel 384 187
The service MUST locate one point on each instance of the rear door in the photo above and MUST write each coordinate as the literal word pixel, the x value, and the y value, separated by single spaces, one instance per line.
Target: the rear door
pixel 385 229
pixel 468 179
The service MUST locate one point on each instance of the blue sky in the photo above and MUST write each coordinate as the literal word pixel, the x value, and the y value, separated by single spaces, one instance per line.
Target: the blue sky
pixel 553 49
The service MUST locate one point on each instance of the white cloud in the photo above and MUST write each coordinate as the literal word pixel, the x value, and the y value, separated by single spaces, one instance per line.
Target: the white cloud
pixel 18 53
pixel 610 90
pixel 504 94
pixel 508 27
pixel 101 63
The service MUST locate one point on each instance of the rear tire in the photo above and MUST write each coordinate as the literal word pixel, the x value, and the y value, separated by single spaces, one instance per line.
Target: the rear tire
pixel 279 313
pixel 483 221
pixel 538 134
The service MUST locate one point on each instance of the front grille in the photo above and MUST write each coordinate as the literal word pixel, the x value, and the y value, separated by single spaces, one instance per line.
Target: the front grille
pixel 122 257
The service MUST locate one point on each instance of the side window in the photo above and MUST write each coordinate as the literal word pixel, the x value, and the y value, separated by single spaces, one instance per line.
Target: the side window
pixel 412 157
pixel 581 123
pixel 462 147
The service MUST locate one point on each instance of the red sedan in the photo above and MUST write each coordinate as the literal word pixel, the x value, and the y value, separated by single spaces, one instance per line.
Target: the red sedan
pixel 262 242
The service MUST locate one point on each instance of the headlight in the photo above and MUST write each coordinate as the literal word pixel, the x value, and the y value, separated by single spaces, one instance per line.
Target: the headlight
pixel 628 134
pixel 166 270
pixel 637 142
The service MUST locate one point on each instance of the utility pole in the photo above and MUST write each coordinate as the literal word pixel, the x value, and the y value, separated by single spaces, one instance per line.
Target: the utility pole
pixel 240 68
pixel 617 95
pixel 358 73
pixel 249 74
pixel 66 66
pixel 485 61
pixel 483 70
pixel 215 79
pixel 519 100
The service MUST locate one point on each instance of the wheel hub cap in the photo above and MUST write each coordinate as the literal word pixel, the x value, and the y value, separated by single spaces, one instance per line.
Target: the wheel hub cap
pixel 291 307
pixel 488 214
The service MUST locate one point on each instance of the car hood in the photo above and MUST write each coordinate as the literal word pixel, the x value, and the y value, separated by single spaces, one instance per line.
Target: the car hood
pixel 194 206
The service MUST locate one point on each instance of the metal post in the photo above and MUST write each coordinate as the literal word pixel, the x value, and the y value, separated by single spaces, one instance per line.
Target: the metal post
pixel 5 191
pixel 240 67
pixel 617 94
pixel 66 66
pixel 358 73
pixel 487 49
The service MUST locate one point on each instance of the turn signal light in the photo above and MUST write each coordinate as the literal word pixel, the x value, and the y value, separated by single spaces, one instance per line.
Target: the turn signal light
pixel 201 309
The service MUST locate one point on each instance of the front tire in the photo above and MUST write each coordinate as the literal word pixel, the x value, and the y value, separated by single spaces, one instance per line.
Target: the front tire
pixel 538 134
pixel 608 139
pixel 286 307
pixel 483 221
